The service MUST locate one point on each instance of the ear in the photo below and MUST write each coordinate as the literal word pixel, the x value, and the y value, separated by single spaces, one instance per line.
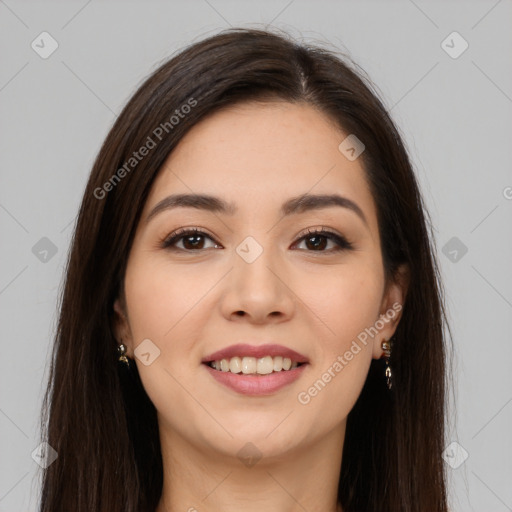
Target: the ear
pixel 391 308
pixel 121 325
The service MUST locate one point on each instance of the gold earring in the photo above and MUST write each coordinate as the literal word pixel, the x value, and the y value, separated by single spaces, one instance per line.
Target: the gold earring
pixel 121 349
pixel 386 346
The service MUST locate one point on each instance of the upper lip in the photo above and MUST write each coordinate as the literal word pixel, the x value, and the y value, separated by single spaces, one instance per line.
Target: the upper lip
pixel 243 349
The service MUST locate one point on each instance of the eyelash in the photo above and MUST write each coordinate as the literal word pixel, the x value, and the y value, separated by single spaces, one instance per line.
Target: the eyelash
pixel 342 242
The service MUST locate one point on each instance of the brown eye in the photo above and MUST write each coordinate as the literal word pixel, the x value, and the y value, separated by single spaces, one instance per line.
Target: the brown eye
pixel 317 241
pixel 192 240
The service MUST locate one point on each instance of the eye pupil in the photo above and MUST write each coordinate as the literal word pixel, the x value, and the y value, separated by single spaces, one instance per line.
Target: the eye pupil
pixel 320 242
pixel 196 241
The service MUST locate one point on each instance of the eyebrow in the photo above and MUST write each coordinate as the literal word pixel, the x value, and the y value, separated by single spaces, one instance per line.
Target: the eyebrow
pixel 294 205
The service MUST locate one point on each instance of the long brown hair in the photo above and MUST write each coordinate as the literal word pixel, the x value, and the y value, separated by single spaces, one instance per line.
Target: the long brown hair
pixel 99 418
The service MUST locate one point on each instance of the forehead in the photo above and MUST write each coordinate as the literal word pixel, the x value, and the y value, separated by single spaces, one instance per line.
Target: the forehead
pixel 259 154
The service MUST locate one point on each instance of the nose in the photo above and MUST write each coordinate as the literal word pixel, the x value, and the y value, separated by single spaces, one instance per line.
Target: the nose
pixel 258 292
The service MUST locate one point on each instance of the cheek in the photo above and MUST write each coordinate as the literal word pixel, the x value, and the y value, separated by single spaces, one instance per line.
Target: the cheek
pixel 346 302
pixel 170 307
pixel 163 306
pixel 348 306
pixel 160 299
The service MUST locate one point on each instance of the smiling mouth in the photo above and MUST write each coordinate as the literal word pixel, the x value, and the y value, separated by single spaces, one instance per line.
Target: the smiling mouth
pixel 257 366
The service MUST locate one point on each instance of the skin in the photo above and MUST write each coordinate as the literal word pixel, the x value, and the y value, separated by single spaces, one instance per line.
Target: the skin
pixel 315 301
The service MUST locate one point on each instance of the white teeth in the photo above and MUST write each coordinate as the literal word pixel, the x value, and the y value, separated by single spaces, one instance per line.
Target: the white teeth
pixel 265 365
pixel 249 365
pixel 235 365
pixel 252 365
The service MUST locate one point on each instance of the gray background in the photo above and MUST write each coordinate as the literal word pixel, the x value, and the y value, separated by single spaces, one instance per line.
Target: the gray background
pixel 454 114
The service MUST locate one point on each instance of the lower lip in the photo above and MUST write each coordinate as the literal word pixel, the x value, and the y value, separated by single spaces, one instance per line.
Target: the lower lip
pixel 257 384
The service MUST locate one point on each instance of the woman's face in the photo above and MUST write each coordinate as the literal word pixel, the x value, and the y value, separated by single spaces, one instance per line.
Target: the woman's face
pixel 253 275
